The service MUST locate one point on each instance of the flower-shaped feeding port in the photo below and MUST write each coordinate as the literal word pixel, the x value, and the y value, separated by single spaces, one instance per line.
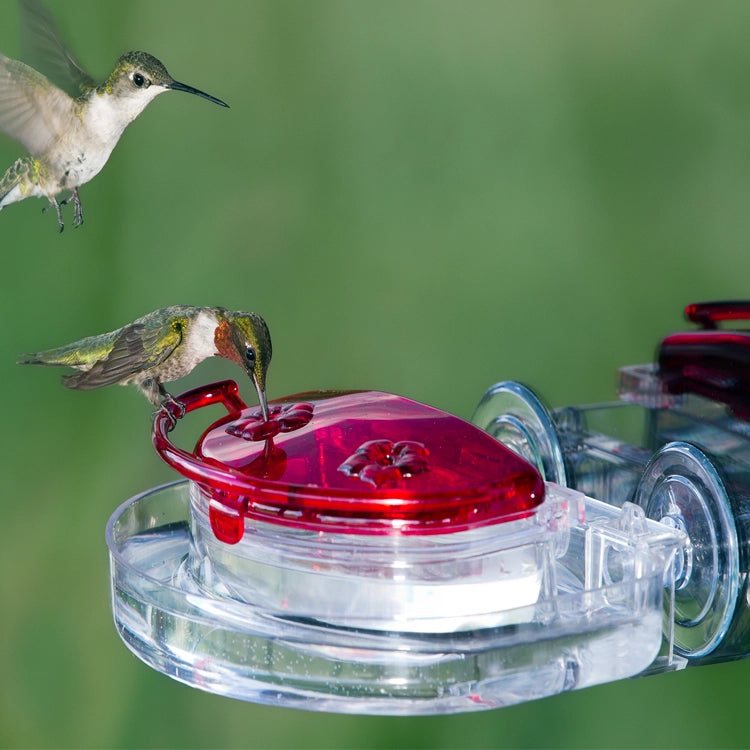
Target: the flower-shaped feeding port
pixel 383 463
pixel 286 418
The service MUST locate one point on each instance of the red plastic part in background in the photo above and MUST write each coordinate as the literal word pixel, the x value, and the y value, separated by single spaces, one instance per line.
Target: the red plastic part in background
pixel 708 314
pixel 713 363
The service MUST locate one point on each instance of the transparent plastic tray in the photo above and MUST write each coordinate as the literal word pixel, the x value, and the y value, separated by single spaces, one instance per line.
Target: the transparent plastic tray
pixel 417 639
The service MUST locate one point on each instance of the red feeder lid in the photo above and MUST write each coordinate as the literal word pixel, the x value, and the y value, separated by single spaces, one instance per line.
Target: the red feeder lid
pixel 353 462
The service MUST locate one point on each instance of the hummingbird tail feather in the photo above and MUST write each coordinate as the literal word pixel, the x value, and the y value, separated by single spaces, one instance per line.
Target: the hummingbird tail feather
pixel 10 181
pixel 80 380
pixel 51 358
pixel 37 359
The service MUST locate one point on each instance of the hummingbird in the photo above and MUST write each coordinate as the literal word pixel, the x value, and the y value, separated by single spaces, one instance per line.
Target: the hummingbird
pixel 163 346
pixel 71 133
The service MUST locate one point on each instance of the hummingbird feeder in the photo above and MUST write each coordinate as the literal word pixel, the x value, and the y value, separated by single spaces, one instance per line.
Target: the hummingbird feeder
pixel 361 552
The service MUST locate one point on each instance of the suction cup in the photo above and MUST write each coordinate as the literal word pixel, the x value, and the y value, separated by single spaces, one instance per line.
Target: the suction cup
pixel 681 488
pixel 513 414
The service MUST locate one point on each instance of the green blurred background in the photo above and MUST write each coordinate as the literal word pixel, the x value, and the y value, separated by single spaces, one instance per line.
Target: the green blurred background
pixel 420 197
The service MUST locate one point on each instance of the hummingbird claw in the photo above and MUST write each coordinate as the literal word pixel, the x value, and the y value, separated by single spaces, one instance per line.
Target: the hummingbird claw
pixel 54 203
pixel 172 418
pixel 171 405
pixel 77 208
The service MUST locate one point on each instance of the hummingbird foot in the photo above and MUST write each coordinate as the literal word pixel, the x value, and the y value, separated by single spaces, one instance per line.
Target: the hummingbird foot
pixel 77 207
pixel 175 409
pixel 53 202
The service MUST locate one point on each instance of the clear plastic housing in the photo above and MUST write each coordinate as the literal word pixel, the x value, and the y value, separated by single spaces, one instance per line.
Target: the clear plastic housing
pixel 391 624
pixel 685 459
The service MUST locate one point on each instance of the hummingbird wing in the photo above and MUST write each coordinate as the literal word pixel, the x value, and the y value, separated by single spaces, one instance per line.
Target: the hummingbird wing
pixel 32 110
pixel 137 348
pixel 43 48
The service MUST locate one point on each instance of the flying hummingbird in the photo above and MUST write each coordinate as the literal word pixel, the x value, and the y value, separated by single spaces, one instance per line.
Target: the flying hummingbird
pixel 163 346
pixel 70 134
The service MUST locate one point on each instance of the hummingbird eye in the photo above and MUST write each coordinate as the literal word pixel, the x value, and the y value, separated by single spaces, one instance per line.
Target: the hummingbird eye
pixel 250 357
pixel 139 80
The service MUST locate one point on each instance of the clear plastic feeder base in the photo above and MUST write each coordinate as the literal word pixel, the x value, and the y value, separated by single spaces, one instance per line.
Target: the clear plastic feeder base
pixel 596 590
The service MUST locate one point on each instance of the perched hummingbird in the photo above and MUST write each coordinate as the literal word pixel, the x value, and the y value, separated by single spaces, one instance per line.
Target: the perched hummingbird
pixel 163 346
pixel 70 136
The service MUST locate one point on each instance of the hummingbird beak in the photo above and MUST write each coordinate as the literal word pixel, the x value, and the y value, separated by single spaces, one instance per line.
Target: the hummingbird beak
pixel 261 398
pixel 177 86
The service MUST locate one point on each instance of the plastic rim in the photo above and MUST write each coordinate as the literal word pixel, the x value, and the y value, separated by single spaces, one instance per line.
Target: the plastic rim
pixel 514 415
pixel 682 488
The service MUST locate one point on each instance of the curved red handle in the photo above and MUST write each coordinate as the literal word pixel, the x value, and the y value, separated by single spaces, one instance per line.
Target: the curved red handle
pixel 225 392
pixel 708 314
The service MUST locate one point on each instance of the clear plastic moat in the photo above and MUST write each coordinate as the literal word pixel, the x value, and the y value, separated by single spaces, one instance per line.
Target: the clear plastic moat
pixel 362 552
